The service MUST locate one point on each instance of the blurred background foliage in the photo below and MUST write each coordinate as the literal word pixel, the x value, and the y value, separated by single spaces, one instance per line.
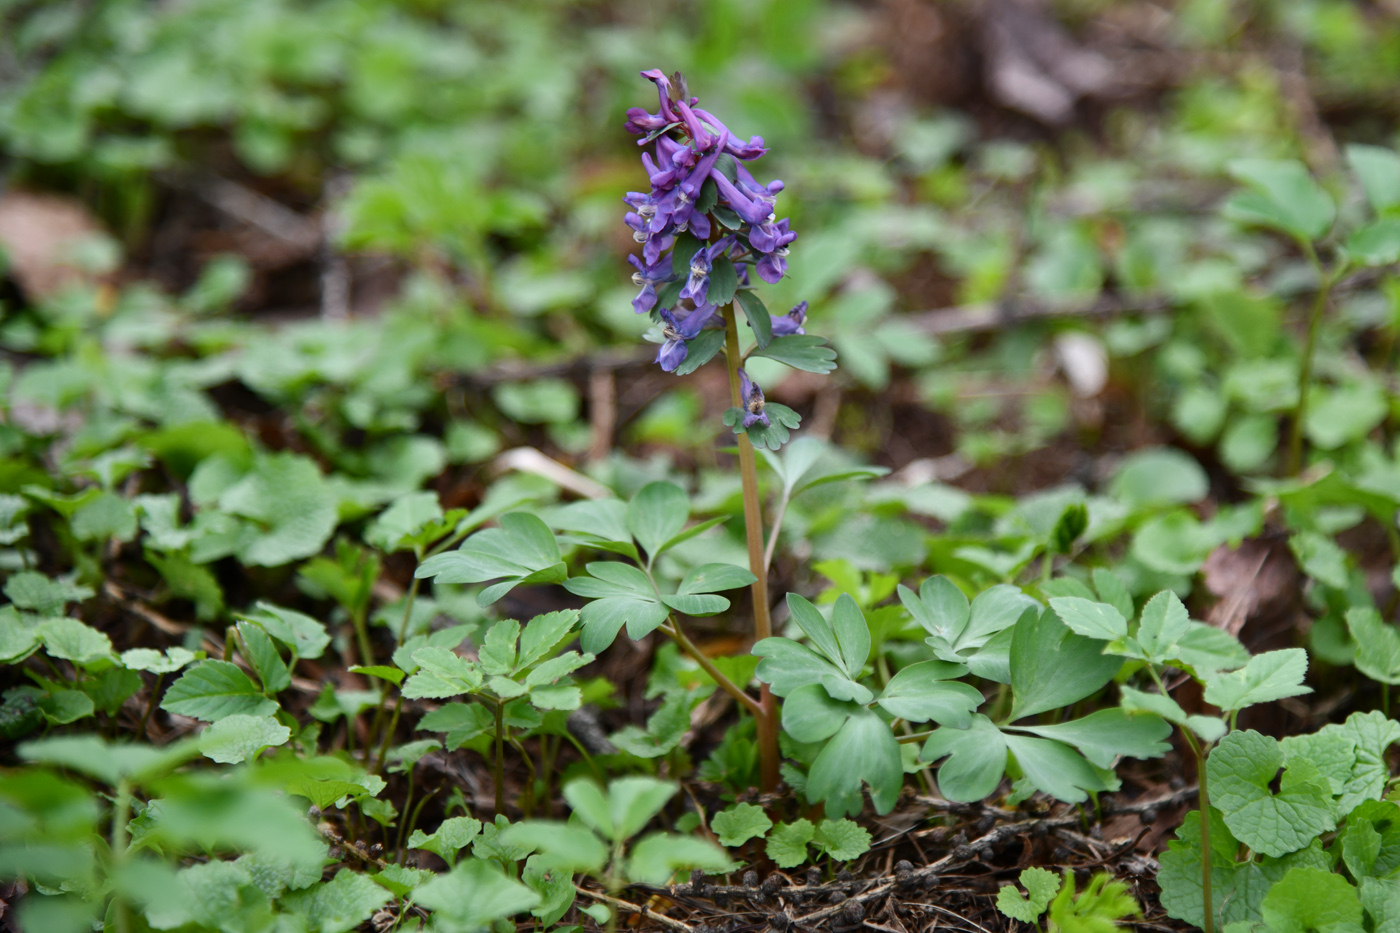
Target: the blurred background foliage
pixel 386 236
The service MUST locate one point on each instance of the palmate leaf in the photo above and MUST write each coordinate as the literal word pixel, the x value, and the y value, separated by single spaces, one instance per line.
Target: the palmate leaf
pixel 1041 885
pixel 863 751
pixel 521 551
pixel 475 895
pixel 740 822
pixel 1312 899
pixel 1052 667
pixel 843 839
pixel 787 843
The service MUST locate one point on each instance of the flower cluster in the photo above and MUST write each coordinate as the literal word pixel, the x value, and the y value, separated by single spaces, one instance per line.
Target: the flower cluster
pixel 704 225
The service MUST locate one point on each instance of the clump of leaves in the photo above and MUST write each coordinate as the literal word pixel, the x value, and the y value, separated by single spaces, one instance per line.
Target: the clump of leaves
pixel 1097 909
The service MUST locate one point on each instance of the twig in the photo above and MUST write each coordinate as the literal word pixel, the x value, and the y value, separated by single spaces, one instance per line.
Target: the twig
pixel 640 910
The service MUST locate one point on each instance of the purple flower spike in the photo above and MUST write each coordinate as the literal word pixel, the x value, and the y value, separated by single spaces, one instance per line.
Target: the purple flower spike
pixel 790 323
pixel 755 212
pixel 697 286
pixel 752 397
pixel 677 332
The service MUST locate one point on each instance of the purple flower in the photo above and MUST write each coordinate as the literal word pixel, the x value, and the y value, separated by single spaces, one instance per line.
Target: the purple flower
pixel 772 263
pixel 752 397
pixel 677 332
pixel 648 277
pixel 790 323
pixel 697 285
pixel 751 210
pixel 746 151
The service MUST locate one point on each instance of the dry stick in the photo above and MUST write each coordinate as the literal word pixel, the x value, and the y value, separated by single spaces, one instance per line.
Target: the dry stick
pixel 753 526
pixel 640 910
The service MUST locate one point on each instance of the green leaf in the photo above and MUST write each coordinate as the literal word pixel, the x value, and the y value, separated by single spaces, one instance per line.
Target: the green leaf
pixel 441 674
pixel 1272 675
pixel 958 631
pixel 715 578
pixel 73 641
pixel 787 665
pixel 724 280
pixel 553 884
pixel 657 513
pixel 976 759
pixel 1165 622
pixel 1052 667
pixel 1377 645
pixel 563 845
pixel 298 631
pixel 863 751
pixel 211 690
pixel 451 837
pixel 413 520
pixel 921 693
pixel 1091 619
pixel 1320 558
pixel 704 604
pixel 1180 873
pixel 497 653
pixel 787 843
pixel 1159 476
pixel 339 905
pixel 1351 755
pixel 633 801
pixel 461 722
pixel 475 895
pixel 1041 885
pixel 664 730
pixel 240 737
pixel 590 804
pixel 852 634
pixel 1312 899
pixel 806 352
pixel 294 508
pixel 1345 414
pixel 1241 769
pixel 772 436
pixel 1284 197
pixel 265 660
pixel 29 589
pixel 600 521
pixel 604 618
pixel 1104 735
pixel 522 550
pixel 760 321
pixel 843 840
pixel 152 661
pixel 1056 769
pixel 810 714
pixel 383 672
pixel 740 822
pixel 1376 244
pixel 1379 171
pixel 1208 728
pixel 660 856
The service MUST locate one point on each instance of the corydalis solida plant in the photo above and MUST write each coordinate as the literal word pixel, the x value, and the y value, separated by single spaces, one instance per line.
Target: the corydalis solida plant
pixel 707 227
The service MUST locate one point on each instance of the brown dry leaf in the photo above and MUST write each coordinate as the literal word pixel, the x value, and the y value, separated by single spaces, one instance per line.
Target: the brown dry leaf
pixel 39 234
pixel 1259 579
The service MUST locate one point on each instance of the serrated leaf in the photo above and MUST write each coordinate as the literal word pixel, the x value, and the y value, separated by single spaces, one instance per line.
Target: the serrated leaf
pixel 664 730
pixel 1241 769
pixel 451 837
pixel 497 652
pixel 1041 885
pixel 1164 623
pixel 543 634
pixel 1272 675
pixel 842 839
pixel 1312 899
pixel 474 895
pixel 740 822
pixel 211 690
pixel 1089 618
pixel 339 905
pixel 263 656
pixel 441 674
pixel 152 661
pixel 74 641
pixel 239 737
pixel 787 843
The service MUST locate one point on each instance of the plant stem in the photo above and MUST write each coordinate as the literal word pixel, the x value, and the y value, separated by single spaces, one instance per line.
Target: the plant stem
pixel 767 717
pixel 1300 411
pixel 708 666
pixel 1208 908
pixel 121 813
pixel 384 691
pixel 773 535
pixel 500 765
